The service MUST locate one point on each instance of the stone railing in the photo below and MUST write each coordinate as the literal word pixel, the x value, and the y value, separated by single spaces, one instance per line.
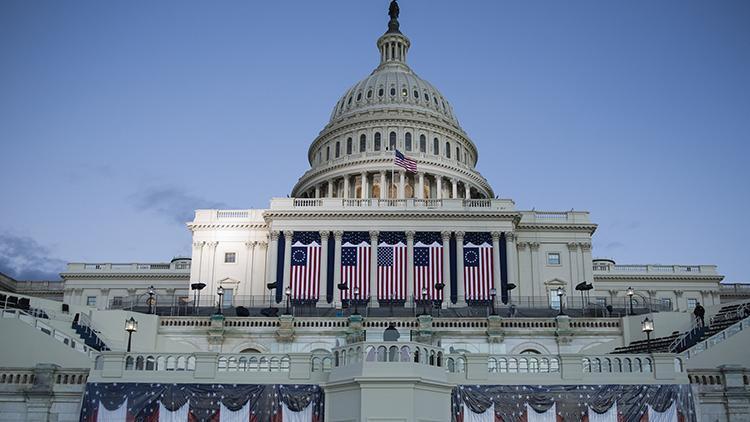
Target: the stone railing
pixel 287 204
pixel 73 342
pixel 654 269
pixel 134 267
pixel 252 363
pixel 567 217
pixel 52 374
pixel 391 352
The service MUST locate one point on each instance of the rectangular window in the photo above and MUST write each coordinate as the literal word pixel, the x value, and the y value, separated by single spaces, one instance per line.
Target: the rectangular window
pixel 349 146
pixel 227 299
pixel 90 300
pixel 328 153
pixel 666 302
pixel 554 299
pixel 338 149
pixel 692 303
pixel 230 258
pixel 117 301
pixel 553 258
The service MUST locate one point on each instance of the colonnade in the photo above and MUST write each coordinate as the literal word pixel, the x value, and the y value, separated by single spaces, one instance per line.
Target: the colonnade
pixel 400 185
pixel 325 235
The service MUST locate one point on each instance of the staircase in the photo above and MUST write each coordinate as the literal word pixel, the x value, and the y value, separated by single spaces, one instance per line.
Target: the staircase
pixel 82 327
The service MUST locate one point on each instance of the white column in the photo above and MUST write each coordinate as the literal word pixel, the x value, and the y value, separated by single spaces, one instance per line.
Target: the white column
pixel 496 265
pixel 420 194
pixel 337 265
pixel 317 191
pixel 537 287
pixel 346 186
pixel 587 269
pixel 323 283
pixel 365 193
pixel 383 189
pixel 467 191
pixel 211 263
pixel 401 185
pixel 439 186
pixel 271 256
pixel 446 267
pixel 330 189
pixel 287 257
pixel 460 291
pixel 454 186
pixel 409 264
pixel 575 277
pixel 510 256
pixel 249 266
pixel 374 268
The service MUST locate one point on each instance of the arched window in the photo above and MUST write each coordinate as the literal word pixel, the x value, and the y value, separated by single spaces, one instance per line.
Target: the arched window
pixel 436 146
pixel 369 94
pixel 427 97
pixel 250 350
pixel 359 96
pixel 328 152
pixel 448 149
pixel 458 154
pixel 392 141
pixel 349 146
pixel 416 94
pixel 376 143
pixel 338 149
pixel 380 92
pixel 422 143
pixel 407 141
pixel 362 143
pixel 404 92
pixel 393 92
pixel 349 102
pixel 320 156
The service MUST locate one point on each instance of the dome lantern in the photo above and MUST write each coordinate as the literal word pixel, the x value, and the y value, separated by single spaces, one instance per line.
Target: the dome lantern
pixel 393 45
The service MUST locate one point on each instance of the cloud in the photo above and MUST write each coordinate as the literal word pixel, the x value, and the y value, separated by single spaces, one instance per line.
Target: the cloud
pixel 173 203
pixel 23 258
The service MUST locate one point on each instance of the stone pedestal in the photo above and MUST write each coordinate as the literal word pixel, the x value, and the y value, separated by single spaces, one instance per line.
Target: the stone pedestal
pixel 285 332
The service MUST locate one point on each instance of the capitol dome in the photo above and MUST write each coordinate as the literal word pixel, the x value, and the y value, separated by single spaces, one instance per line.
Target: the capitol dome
pixel 392 109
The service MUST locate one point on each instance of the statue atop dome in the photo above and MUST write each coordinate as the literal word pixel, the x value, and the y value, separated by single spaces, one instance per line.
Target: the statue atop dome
pixel 393 12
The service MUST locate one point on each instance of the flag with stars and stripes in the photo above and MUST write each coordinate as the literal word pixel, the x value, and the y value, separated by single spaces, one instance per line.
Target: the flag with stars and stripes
pixel 428 265
pixel 478 262
pixel 407 163
pixel 392 266
pixel 355 265
pixel 304 274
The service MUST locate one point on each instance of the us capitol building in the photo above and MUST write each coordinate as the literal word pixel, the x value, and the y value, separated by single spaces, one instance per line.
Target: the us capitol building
pixel 391 285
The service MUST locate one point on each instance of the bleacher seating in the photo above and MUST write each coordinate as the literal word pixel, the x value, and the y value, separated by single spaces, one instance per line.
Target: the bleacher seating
pixel 727 316
pixel 89 336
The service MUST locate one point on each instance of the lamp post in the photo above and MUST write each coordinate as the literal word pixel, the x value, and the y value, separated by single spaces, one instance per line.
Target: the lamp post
pixel 356 300
pixel 630 294
pixel 288 293
pixel 131 326
pixel 508 288
pixel 424 300
pixel 439 287
pixel 493 293
pixel 150 298
pixel 647 326
pixel 197 287
pixel 220 292
pixel 560 294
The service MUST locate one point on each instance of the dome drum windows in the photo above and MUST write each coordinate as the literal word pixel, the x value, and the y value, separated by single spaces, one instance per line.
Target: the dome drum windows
pixel 416 94
pixel 404 92
pixel 392 141
pixel 381 92
pixel 393 92
pixel 359 96
pixel 436 146
pixel 338 149
pixel 407 141
pixel 349 146
pixel 369 94
pixel 328 152
pixel 362 143
pixel 376 142
pixel 422 143
pixel 447 150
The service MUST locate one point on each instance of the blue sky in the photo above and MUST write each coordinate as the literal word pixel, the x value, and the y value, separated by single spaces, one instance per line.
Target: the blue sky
pixel 117 119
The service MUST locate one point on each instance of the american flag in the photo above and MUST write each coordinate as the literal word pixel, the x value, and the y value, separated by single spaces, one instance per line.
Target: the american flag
pixel 392 266
pixel 478 272
pixel 304 279
pixel 407 163
pixel 355 264
pixel 428 265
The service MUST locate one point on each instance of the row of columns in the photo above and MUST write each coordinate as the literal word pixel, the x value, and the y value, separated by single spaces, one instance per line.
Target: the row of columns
pixel 446 235
pixel 326 188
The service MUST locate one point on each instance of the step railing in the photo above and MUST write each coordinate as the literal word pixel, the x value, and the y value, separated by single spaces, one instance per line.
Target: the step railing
pixel 717 338
pixel 64 338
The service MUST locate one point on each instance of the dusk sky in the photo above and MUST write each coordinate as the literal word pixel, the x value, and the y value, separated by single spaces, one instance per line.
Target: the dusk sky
pixel 118 119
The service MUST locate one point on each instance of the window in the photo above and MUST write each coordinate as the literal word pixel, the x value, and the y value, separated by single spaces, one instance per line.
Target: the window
pixel 554 299
pixel 458 154
pixel 117 301
pixel 422 143
pixel 427 97
pixel 227 298
pixel 666 302
pixel 362 143
pixel 392 141
pixel 320 156
pixel 359 96
pixel 393 92
pixel 230 257
pixel 448 149
pixel 90 300
pixel 436 146
pixel 376 142
pixel 416 94
pixel 369 94
pixel 407 141
pixel 328 152
pixel 601 301
pixel 349 146
pixel 692 303
pixel 349 102
pixel 338 149
pixel 404 92
pixel 380 92
pixel 553 258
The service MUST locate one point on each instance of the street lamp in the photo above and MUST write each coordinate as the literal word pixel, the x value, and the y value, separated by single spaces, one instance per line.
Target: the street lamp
pixel 356 300
pixel 630 294
pixel 131 326
pixel 150 298
pixel 560 294
pixel 220 292
pixel 508 288
pixel 197 287
pixel 424 300
pixel 493 293
pixel 288 293
pixel 647 326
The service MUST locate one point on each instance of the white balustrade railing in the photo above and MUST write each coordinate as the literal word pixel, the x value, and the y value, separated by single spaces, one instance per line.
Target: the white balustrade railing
pixel 221 214
pixel 253 363
pixel 74 343
pixel 391 352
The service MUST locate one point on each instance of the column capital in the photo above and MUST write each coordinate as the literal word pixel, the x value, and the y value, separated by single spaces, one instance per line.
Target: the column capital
pixel 446 234
pixel 651 293
pixel 496 235
pixel 679 293
pixel 522 245
pixel 338 234
pixel 460 235
pixel 288 233
pixel 262 243
pixel 410 234
pixel 374 234
pixel 585 246
pixel 572 246
pixel 251 244
pixel 534 246
pixel 198 244
pixel 509 236
pixel 212 244
pixel 273 235
pixel 324 234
